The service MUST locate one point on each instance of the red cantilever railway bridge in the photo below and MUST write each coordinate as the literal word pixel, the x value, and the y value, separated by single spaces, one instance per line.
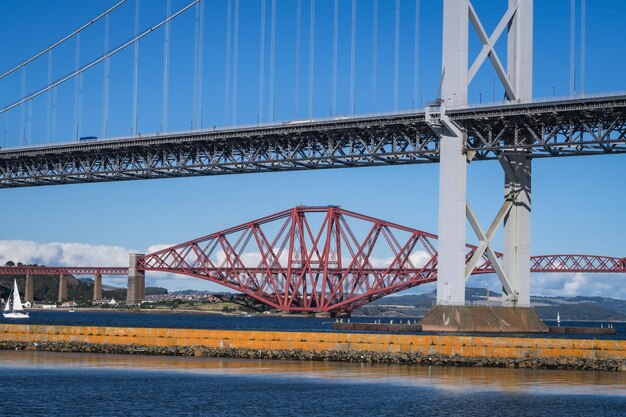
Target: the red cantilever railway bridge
pixel 317 259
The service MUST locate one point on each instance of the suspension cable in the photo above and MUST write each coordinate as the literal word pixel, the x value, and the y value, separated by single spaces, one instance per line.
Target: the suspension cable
pixel 51 47
pixel 98 60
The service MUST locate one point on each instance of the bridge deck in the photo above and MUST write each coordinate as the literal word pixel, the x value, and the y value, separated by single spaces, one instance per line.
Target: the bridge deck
pixel 581 126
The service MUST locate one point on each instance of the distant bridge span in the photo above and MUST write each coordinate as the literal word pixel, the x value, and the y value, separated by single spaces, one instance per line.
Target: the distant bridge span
pixel 327 259
pixel 294 262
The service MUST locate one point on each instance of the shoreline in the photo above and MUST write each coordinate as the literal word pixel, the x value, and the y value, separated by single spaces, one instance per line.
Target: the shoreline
pixel 349 356
pixel 428 350
pixel 254 314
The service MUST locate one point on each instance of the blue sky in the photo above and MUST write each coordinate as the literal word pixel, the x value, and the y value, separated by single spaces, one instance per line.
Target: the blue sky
pixel 577 202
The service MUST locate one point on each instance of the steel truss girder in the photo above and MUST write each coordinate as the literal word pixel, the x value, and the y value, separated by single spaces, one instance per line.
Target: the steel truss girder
pixel 60 270
pixel 583 126
pixel 292 262
pixel 539 264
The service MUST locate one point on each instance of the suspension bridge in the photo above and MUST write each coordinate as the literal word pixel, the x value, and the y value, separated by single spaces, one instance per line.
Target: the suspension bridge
pixel 294 272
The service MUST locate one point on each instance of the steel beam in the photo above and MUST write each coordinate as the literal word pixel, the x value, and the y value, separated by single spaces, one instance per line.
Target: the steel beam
pixel 518 178
pixel 453 162
pixel 583 126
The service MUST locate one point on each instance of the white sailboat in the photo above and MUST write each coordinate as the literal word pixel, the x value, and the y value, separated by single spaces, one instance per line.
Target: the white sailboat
pixel 558 318
pixel 13 307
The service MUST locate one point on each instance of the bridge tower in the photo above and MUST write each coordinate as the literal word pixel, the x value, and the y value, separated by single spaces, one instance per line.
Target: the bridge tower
pixel 454 208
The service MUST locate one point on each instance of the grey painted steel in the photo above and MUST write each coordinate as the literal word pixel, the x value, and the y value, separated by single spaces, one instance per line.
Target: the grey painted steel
pixel 583 126
pixel 453 167
pixel 517 181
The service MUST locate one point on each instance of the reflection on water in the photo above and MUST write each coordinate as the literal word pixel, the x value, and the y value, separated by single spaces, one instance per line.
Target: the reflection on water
pixel 447 378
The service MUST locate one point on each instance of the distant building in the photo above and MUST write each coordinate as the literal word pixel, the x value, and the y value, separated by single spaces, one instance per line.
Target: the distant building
pixel 68 304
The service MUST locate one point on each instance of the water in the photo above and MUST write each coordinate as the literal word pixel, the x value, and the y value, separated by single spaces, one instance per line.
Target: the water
pixel 256 322
pixel 51 384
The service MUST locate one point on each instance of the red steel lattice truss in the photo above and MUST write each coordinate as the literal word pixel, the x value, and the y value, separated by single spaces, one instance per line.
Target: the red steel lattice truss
pixel 317 259
pixel 314 259
pixel 327 259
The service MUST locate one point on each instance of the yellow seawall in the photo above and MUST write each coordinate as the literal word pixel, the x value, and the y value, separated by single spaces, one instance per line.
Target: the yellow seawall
pixel 467 346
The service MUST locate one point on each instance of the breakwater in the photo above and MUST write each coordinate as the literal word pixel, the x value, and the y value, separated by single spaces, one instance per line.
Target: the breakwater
pixel 352 347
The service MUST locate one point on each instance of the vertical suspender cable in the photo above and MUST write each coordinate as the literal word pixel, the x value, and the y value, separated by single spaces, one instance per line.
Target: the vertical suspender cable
pixel 273 59
pixel 261 64
pixel 228 47
pixel 201 65
pixel 311 56
pixel 166 69
pixel 135 70
pixel 49 98
pixel 194 93
pixel 29 131
pixel 53 128
pixel 583 13
pixel 106 82
pixel 63 40
pixel 374 54
pixel 236 62
pixel 77 91
pixel 396 57
pixel 572 51
pixel 335 51
pixel 6 128
pixel 353 60
pixel 23 108
pixel 416 57
pixel 298 45
pixel 96 61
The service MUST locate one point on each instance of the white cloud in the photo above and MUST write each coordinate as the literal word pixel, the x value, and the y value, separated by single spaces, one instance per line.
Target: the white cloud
pixel 62 254
pixel 158 247
pixel 593 285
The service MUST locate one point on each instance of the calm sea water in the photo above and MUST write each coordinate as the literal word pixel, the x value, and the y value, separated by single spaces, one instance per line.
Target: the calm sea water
pixel 61 384
pixel 256 322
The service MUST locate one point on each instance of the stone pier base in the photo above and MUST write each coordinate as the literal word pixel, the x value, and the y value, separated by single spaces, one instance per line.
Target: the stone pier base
pixel 136 282
pixel 62 288
pixel 482 319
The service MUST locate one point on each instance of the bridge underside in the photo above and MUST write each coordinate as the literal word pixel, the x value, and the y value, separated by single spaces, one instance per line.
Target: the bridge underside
pixel 582 126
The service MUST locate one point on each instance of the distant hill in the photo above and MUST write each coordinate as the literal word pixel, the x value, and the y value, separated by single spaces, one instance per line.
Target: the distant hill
pixel 569 308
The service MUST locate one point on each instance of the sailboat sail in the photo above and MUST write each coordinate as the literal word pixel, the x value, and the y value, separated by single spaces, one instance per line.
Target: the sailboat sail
pixel 17 303
pixel 13 308
pixel 7 305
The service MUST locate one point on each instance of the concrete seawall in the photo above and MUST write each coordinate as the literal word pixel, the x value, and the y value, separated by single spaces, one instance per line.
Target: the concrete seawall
pixel 421 349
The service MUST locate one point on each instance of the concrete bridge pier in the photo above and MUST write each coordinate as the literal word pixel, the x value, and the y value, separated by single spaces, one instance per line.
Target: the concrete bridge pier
pixel 97 288
pixel 455 154
pixel 62 288
pixel 136 281
pixel 28 289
